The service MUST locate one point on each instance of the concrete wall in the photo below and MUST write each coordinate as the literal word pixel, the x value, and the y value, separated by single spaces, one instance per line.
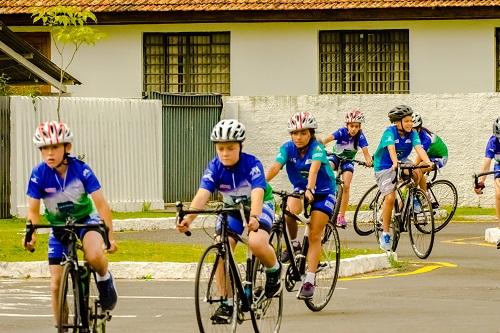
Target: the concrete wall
pixel 282 58
pixel 464 121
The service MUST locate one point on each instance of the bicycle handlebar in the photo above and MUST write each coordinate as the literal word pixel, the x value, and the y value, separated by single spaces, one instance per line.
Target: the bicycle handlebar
pixel 480 186
pixel 342 159
pixel 69 226
pixel 299 195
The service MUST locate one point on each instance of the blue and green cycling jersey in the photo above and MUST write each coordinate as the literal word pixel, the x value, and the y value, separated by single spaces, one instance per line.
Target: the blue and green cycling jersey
pixel 432 144
pixel 403 143
pixel 345 145
pixel 297 166
pixel 493 149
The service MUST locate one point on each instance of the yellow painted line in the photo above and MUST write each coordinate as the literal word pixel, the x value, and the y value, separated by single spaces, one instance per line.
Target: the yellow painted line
pixel 469 241
pixel 429 267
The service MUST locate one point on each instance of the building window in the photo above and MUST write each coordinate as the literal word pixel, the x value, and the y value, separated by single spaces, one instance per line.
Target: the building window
pixel 364 62
pixel 187 62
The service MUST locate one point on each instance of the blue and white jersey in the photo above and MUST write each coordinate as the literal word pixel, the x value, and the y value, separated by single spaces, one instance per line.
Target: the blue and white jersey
pixel 493 149
pixel 237 181
pixel 64 197
pixel 297 166
pixel 344 143
pixel 404 145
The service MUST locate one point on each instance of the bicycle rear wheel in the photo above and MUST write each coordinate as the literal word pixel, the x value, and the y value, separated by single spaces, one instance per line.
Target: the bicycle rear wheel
pixel 394 229
pixel 266 312
pixel 328 269
pixel 363 221
pixel 336 210
pixel 69 316
pixel 214 287
pixel 444 199
pixel 421 224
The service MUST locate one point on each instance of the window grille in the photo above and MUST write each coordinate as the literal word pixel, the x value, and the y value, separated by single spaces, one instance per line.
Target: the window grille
pixel 364 62
pixel 187 62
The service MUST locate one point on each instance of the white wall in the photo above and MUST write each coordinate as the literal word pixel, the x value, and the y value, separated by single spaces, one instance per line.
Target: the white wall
pixel 282 58
pixel 464 121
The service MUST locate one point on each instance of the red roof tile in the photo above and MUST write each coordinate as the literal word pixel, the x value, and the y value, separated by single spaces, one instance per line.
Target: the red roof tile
pixel 24 6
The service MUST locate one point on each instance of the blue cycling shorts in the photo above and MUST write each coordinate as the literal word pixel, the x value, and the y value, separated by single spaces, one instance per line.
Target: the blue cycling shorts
pixel 57 245
pixel 235 223
pixel 497 170
pixel 324 203
pixel 344 166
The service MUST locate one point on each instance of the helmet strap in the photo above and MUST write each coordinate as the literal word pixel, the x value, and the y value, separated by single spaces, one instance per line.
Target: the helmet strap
pixel 65 158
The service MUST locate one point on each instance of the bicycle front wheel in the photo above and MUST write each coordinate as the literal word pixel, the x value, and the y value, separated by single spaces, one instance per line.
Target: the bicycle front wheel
pixel 97 317
pixel 328 269
pixel 444 199
pixel 69 314
pixel 364 219
pixel 266 312
pixel 214 291
pixel 338 199
pixel 421 224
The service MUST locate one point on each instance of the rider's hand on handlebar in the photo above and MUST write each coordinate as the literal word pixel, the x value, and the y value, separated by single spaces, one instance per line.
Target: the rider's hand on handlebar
pixel 479 188
pixel 253 224
pixel 183 225
pixel 113 246
pixel 309 195
pixel 31 245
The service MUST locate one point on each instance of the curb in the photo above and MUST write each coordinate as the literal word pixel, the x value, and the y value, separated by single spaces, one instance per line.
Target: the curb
pixel 179 271
pixel 492 235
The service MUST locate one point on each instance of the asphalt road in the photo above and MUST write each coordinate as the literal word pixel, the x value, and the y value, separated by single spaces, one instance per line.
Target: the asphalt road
pixel 443 298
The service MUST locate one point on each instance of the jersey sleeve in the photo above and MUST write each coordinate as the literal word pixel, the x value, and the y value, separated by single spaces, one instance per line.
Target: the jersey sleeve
pixel 362 141
pixel 282 156
pixel 415 139
pixel 257 176
pixel 490 148
pixel 89 179
pixel 318 153
pixel 208 180
pixel 337 135
pixel 425 140
pixel 387 138
pixel 34 189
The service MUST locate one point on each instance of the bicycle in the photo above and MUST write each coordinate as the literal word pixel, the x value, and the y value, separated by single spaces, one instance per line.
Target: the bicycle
pixel 340 183
pixel 214 287
pixel 328 267
pixel 79 305
pixel 444 199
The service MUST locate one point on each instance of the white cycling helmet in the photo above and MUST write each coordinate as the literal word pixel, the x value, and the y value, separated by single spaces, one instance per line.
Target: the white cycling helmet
pixel 302 120
pixel 354 116
pixel 51 133
pixel 417 120
pixel 496 128
pixel 228 130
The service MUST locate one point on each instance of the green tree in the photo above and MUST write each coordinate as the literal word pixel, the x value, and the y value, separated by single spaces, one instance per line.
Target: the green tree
pixel 68 27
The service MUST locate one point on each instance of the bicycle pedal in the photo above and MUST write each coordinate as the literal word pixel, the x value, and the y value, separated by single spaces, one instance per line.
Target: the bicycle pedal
pixel 300 256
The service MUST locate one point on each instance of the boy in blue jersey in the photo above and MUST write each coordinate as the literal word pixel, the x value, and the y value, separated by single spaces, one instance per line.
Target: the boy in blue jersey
pixel 237 175
pixel 396 144
pixel 64 183
pixel 308 170
pixel 348 139
pixel 492 153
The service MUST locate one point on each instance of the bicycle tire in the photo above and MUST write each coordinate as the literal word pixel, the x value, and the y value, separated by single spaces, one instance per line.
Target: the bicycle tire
pixel 394 229
pixel 338 201
pixel 444 198
pixel 266 316
pixel 97 317
pixel 69 318
pixel 421 224
pixel 363 221
pixel 328 269
pixel 207 294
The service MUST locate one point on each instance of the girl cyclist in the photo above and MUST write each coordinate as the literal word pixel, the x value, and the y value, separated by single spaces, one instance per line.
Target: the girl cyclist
pixel 492 153
pixel 395 145
pixel 348 139
pixel 308 170
pixel 434 146
pixel 237 175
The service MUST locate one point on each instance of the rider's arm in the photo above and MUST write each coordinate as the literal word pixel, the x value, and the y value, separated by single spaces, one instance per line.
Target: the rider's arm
pixel 366 154
pixel 486 168
pixel 200 199
pixel 34 217
pixel 313 174
pixel 256 199
pixel 273 171
pixel 422 154
pixel 328 139
pixel 102 206
pixel 393 155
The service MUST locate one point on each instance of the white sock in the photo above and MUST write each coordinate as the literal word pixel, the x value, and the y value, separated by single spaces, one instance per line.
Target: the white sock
pixel 274 268
pixel 310 277
pixel 100 278
pixel 230 302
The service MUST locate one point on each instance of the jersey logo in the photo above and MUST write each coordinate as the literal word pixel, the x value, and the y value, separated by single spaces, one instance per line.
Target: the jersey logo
pixel 255 172
pixel 408 141
pixel 51 190
pixel 34 180
pixel 293 160
pixel 395 141
pixel 208 176
pixel 308 161
pixel 224 187
pixel 86 173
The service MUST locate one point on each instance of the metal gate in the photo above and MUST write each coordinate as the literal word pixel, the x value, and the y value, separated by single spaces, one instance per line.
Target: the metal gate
pixel 187 123
pixel 4 157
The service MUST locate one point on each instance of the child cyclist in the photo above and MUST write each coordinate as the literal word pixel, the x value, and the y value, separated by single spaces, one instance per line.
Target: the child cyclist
pixel 396 145
pixel 348 140
pixel 434 146
pixel 235 174
pixel 308 170
pixel 492 153
pixel 64 183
